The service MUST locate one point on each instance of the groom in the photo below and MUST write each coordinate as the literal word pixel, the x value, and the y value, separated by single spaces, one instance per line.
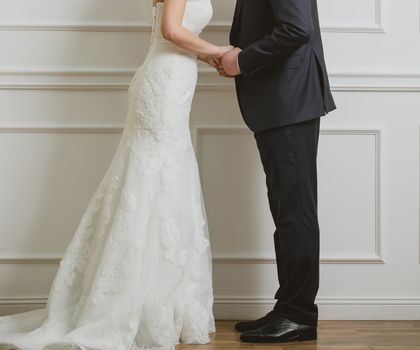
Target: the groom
pixel 283 90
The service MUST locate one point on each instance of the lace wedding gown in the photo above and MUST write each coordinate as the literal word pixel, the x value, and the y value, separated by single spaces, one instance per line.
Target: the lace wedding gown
pixel 137 273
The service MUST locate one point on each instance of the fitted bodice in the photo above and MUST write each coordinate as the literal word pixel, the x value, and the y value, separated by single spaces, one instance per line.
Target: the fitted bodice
pixel 197 15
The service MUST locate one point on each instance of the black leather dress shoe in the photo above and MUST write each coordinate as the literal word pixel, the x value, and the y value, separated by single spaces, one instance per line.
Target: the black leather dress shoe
pixel 248 325
pixel 278 330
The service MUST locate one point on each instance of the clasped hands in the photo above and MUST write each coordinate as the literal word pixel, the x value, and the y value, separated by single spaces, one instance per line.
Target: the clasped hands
pixel 226 62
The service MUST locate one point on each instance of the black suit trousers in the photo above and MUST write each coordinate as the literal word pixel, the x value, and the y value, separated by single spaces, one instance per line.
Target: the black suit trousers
pixel 288 154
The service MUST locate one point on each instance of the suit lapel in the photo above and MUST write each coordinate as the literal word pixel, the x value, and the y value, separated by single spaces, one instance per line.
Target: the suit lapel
pixel 236 20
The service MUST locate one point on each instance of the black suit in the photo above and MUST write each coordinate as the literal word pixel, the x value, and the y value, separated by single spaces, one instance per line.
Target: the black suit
pixel 283 91
pixel 284 79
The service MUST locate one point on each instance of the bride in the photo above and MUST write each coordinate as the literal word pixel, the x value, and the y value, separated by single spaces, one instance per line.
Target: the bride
pixel 137 274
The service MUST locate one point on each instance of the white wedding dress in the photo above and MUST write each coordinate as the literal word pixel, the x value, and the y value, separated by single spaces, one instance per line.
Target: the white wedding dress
pixel 137 273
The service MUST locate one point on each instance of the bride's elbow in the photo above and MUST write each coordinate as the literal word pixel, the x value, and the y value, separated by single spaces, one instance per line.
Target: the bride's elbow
pixel 170 33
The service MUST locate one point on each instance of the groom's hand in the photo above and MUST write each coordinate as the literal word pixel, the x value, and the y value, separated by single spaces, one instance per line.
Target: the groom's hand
pixel 229 63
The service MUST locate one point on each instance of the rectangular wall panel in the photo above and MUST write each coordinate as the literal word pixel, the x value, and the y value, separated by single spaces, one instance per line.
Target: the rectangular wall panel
pixel 349 194
pixel 357 14
pixel 233 178
pixel 46 181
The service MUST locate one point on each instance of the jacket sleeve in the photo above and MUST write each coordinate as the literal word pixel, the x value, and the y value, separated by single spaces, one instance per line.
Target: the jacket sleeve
pixel 294 28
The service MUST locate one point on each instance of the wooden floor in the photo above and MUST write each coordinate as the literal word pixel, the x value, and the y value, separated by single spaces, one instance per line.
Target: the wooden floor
pixel 332 335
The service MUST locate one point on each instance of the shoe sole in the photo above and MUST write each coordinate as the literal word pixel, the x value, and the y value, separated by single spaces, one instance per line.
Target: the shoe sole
pixel 304 336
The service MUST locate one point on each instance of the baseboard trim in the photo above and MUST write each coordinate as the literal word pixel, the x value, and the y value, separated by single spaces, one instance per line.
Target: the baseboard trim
pixel 242 308
pixel 329 308
pixel 10 306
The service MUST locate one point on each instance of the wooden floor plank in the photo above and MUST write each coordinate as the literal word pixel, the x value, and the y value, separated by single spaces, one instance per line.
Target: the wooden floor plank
pixel 332 335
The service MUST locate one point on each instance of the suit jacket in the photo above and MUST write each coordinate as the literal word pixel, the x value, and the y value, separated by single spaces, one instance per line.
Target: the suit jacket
pixel 283 76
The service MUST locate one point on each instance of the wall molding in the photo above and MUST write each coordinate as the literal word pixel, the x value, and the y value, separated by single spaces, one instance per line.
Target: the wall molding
pixel 66 78
pixel 199 131
pixel 103 27
pixel 136 27
pixel 386 81
pixel 243 307
pixel 145 27
pixel 30 259
pixel 231 258
pixel 13 305
pixel 118 79
pixel 345 308
pixel 375 28
pixel 418 186
pixel 63 129
pixel 261 259
pixel 340 81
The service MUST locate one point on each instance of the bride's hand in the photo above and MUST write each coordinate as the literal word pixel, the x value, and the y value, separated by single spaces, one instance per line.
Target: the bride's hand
pixel 224 49
pixel 210 59
pixel 215 60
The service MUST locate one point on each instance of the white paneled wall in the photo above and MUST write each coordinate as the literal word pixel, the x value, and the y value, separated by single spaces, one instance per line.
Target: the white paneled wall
pixel 64 70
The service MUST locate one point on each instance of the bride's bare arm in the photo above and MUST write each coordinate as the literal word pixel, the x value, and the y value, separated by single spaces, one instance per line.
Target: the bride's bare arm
pixel 173 30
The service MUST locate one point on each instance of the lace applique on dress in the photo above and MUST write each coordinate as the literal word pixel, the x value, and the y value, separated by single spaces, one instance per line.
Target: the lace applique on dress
pixel 171 240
